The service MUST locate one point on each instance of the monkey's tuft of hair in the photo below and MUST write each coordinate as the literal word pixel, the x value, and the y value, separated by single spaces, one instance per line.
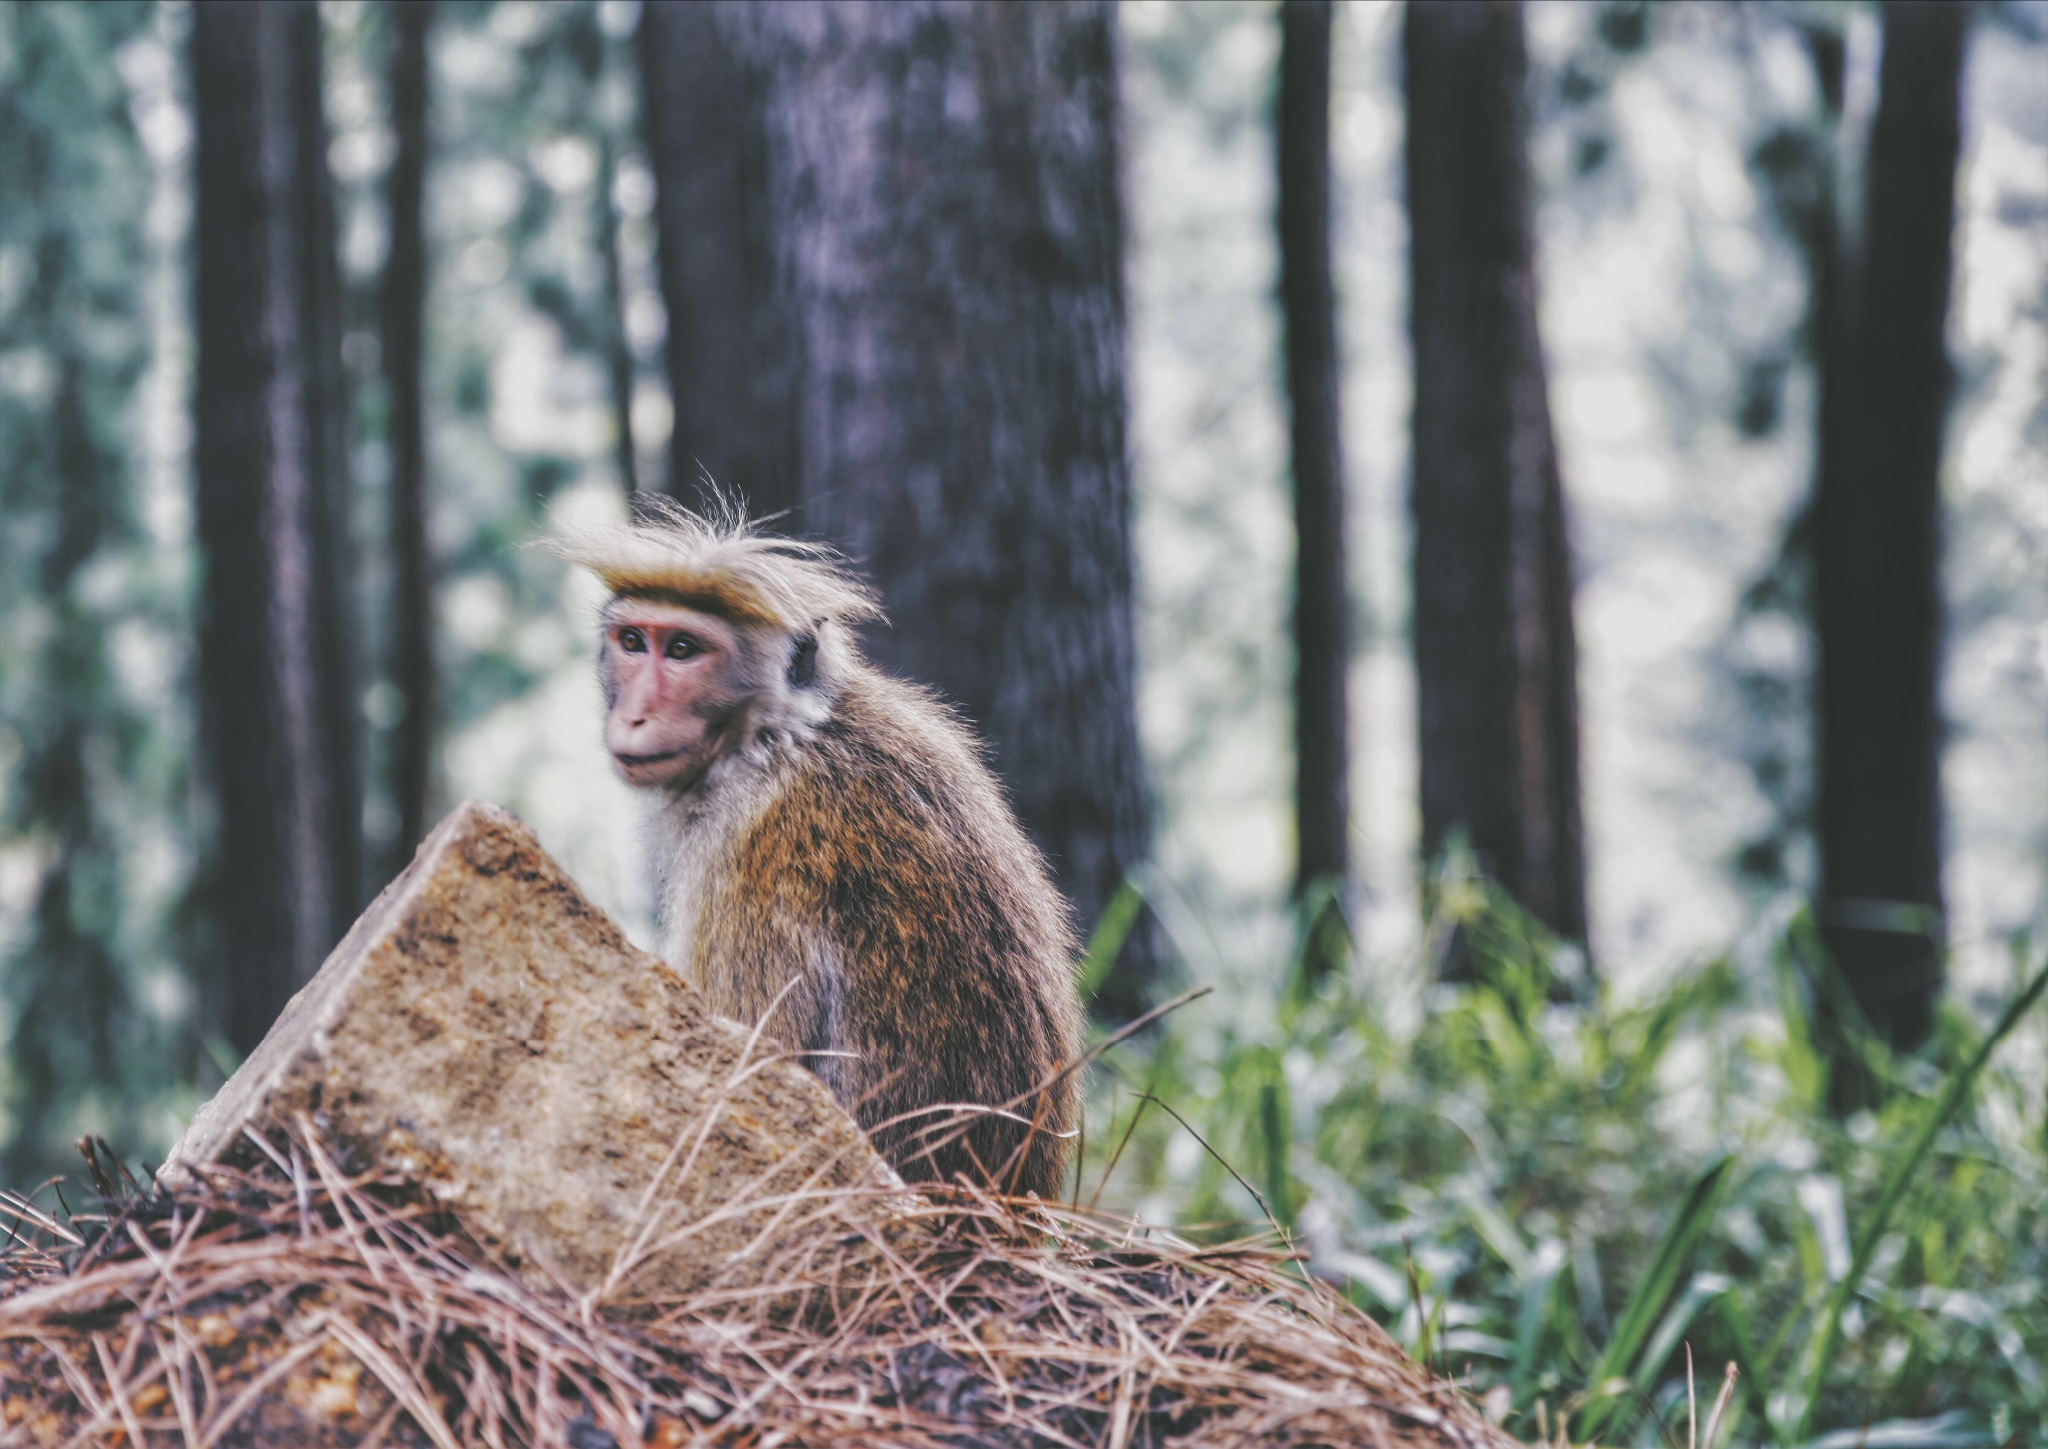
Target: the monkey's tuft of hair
pixel 721 560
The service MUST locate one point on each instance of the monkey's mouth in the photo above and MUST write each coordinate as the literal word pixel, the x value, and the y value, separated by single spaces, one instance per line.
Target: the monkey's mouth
pixel 636 762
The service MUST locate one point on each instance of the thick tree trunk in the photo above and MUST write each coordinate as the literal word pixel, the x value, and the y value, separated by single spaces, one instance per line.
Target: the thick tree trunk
pixel 1494 652
pixel 891 241
pixel 1322 635
pixel 404 302
pixel 734 353
pixel 1877 541
pixel 277 692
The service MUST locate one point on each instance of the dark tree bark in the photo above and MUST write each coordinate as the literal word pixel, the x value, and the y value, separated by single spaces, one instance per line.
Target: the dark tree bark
pixel 1877 542
pixel 277 691
pixel 734 352
pixel 891 241
pixel 1495 657
pixel 1322 635
pixel 404 303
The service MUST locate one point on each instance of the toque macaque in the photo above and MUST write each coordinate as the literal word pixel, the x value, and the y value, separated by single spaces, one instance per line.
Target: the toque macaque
pixel 833 855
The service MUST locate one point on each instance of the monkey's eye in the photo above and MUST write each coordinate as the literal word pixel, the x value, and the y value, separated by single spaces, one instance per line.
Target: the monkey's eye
pixel 632 641
pixel 683 646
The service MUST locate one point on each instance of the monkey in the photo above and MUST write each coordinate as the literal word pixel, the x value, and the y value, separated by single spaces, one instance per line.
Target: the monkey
pixel 833 854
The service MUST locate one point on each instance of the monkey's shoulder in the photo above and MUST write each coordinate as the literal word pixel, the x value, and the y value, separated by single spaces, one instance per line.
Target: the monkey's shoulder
pixel 891 770
pixel 891 803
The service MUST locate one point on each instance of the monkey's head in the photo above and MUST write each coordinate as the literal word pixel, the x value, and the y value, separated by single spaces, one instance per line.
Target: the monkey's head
pixel 717 640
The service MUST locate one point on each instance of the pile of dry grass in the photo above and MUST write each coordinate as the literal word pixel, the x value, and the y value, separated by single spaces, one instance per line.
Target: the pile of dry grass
pixel 294 1305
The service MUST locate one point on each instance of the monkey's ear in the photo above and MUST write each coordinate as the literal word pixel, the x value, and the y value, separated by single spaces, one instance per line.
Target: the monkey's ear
pixel 803 661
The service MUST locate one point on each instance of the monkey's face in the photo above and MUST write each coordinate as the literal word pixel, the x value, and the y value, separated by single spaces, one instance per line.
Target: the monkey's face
pixel 675 686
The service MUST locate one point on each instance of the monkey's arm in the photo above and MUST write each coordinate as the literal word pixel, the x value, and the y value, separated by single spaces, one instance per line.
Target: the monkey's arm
pixel 756 964
pixel 951 984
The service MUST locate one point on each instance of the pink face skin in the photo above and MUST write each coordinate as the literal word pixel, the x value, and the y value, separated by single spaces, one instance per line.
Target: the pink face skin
pixel 673 690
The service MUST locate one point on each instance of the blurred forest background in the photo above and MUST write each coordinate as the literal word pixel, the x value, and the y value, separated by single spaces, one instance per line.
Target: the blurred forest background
pixel 1511 541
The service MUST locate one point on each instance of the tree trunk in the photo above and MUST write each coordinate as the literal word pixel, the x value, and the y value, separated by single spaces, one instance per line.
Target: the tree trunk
pixel 891 241
pixel 404 300
pixel 1495 658
pixel 277 690
pixel 1322 635
pixel 1877 542
pixel 734 357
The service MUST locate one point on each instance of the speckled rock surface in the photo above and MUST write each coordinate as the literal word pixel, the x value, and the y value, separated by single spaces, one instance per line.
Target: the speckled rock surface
pixel 488 1033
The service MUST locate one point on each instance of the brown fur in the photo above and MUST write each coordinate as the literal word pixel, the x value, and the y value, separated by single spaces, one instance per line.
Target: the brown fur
pixel 848 870
pixel 888 851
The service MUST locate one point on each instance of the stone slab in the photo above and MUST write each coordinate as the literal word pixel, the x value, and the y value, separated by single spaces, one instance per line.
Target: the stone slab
pixel 488 1033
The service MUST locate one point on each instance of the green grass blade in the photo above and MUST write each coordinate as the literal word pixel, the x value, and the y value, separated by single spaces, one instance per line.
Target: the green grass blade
pixel 1711 987
pixel 1828 1338
pixel 1112 929
pixel 1323 942
pixel 1537 1286
pixel 1839 1030
pixel 1750 1386
pixel 1654 1289
pixel 1496 1231
pixel 1277 1142
pixel 1703 1290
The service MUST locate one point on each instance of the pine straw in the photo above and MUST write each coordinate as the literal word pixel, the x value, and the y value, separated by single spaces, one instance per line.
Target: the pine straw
pixel 295 1306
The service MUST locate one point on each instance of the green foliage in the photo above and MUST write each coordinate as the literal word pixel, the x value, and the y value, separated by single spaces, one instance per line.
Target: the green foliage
pixel 521 114
pixel 529 108
pixel 1553 1197
pixel 90 645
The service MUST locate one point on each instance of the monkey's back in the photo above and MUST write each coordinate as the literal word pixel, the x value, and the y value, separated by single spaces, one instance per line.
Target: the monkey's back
pixel 892 885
